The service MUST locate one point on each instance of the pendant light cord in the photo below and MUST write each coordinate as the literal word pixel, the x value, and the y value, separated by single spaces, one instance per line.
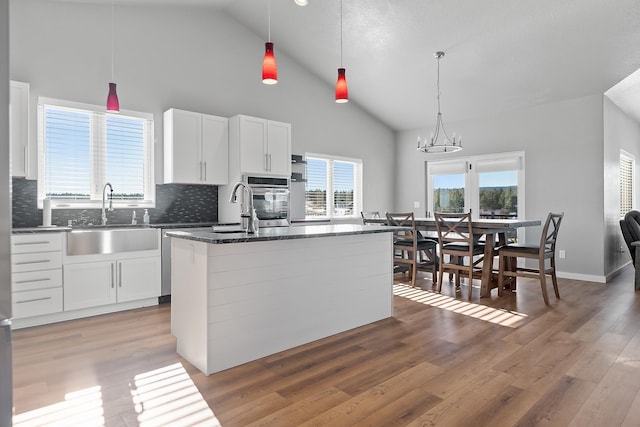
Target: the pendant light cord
pixel 269 18
pixel 438 83
pixel 340 33
pixel 113 37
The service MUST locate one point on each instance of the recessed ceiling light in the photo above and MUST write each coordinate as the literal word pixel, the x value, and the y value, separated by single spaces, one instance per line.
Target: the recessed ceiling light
pixel 301 2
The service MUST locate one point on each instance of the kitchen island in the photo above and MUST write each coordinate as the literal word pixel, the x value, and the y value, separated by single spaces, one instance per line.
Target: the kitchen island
pixel 237 297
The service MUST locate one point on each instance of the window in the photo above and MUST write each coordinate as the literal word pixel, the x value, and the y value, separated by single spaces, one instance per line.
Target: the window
pixel 490 186
pixel 627 166
pixel 334 187
pixel 81 148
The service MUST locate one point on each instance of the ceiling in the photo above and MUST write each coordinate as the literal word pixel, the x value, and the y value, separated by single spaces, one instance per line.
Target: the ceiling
pixel 500 54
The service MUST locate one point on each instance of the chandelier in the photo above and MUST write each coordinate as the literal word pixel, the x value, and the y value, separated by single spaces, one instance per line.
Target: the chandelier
pixel 446 145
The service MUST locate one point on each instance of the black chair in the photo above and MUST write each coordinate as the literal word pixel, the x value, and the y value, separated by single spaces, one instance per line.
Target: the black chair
pixel 630 226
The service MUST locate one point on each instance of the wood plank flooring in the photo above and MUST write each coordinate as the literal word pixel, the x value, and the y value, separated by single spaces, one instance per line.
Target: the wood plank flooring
pixel 439 361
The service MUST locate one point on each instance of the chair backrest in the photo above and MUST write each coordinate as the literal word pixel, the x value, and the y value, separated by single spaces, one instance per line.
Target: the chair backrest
pixel 550 232
pixel 369 215
pixel 632 218
pixel 405 220
pixel 630 227
pixel 455 228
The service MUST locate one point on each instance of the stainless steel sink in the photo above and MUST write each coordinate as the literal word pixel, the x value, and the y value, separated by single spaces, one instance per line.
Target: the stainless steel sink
pixel 111 240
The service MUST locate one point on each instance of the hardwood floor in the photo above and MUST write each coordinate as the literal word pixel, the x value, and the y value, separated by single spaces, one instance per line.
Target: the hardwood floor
pixel 440 361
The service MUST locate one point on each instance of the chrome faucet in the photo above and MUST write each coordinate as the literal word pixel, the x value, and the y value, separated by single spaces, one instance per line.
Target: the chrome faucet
pixel 250 212
pixel 104 196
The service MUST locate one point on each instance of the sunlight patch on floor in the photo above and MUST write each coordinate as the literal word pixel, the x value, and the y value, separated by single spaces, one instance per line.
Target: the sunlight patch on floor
pixel 79 408
pixel 160 398
pixel 498 316
pixel 167 396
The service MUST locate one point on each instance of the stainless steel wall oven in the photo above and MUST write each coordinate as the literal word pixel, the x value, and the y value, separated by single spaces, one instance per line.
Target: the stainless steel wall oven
pixel 271 198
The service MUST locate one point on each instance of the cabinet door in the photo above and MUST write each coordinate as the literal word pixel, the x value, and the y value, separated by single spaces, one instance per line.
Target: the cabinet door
pixel 19 129
pixel 138 278
pixel 215 150
pixel 279 148
pixel 182 147
pixel 253 140
pixel 89 284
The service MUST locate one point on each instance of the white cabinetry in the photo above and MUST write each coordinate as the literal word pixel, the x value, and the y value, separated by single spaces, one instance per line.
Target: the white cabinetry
pixel 19 129
pixel 36 279
pixel 91 284
pixel 196 148
pixel 259 146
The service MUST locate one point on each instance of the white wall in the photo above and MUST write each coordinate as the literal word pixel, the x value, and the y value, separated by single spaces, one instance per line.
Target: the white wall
pixel 620 132
pixel 564 171
pixel 195 59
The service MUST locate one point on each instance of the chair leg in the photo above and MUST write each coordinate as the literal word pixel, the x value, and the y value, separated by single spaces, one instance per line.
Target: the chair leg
pixel 470 279
pixel 554 279
pixel 501 262
pixel 543 282
pixel 440 274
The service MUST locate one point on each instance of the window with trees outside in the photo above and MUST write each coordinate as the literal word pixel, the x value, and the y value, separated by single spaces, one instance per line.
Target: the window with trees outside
pixel 333 188
pixel 627 170
pixel 490 186
pixel 81 148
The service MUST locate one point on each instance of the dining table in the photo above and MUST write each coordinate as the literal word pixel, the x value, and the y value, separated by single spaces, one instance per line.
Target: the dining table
pixel 495 232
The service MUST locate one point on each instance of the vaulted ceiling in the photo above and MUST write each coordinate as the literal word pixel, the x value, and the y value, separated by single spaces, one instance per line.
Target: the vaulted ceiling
pixel 500 54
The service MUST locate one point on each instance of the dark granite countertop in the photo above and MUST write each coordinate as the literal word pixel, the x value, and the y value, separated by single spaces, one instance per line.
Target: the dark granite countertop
pixel 280 233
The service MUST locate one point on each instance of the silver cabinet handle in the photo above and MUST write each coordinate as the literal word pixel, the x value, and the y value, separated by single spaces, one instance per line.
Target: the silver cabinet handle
pixel 120 274
pixel 33 300
pixel 112 282
pixel 26 160
pixel 33 280
pixel 266 161
pixel 205 171
pixel 33 262
pixel 39 242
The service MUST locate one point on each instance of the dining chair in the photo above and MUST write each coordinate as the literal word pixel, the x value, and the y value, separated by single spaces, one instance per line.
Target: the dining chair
pixel 366 216
pixel 458 248
pixel 410 249
pixel 546 249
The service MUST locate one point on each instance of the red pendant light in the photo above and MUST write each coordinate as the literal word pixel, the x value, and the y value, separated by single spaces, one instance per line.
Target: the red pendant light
pixel 342 91
pixel 269 66
pixel 113 105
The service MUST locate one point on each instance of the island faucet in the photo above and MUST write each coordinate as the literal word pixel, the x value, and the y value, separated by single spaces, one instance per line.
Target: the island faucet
pixel 104 196
pixel 250 212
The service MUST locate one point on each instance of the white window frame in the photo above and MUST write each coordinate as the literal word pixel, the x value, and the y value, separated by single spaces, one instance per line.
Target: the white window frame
pixel 626 156
pixel 357 190
pixel 471 166
pixel 97 177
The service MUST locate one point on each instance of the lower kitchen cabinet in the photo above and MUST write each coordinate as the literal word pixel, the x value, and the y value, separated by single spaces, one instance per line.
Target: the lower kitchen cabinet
pixel 92 284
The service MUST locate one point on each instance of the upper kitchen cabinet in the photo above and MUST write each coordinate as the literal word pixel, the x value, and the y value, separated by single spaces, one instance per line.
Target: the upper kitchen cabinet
pixel 19 129
pixel 196 148
pixel 260 146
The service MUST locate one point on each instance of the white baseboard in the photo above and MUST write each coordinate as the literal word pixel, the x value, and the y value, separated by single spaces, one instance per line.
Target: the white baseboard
pixel 77 314
pixel 584 277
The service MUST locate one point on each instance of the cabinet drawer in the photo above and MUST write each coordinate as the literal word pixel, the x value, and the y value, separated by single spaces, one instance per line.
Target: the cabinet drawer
pixel 36 261
pixel 36 303
pixel 43 242
pixel 32 280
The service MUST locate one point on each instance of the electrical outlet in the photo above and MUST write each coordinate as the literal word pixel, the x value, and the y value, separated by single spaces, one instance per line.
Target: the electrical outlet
pixel 416 204
pixel 562 254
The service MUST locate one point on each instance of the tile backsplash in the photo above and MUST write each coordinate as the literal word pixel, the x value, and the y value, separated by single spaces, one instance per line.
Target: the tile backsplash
pixel 175 203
